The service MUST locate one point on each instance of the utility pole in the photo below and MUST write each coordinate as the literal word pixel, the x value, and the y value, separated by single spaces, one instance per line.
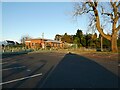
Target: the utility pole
pixel 42 35
pixel 43 45
pixel 101 43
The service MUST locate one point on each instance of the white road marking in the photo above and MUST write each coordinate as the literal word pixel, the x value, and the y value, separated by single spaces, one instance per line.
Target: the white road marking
pixel 28 70
pixel 118 64
pixel 7 62
pixel 21 79
pixel 12 68
pixel 4 63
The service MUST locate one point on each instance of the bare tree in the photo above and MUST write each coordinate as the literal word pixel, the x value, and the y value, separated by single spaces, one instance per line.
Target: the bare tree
pixel 23 38
pixel 99 11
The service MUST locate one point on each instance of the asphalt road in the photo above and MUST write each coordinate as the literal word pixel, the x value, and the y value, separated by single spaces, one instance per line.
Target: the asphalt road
pixel 55 70
pixel 75 71
pixel 28 70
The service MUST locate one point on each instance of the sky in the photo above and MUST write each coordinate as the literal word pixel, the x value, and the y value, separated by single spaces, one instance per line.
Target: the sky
pixel 35 18
pixel 0 21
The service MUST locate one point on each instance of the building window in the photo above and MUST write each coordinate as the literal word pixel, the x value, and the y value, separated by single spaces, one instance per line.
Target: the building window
pixel 29 44
pixel 33 44
pixel 52 44
pixel 58 45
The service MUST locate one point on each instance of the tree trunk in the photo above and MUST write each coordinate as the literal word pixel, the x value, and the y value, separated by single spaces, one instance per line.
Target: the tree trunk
pixel 114 42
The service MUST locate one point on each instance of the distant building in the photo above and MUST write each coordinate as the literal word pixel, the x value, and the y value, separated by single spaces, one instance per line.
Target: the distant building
pixel 43 43
pixel 5 43
pixel 8 42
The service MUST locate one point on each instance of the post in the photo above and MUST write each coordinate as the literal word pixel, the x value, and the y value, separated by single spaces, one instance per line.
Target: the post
pixel 101 43
pixel 43 45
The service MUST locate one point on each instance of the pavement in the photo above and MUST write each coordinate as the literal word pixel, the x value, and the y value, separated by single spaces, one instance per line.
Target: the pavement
pixel 55 70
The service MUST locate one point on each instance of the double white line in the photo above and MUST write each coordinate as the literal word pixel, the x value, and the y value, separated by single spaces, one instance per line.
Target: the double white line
pixel 21 79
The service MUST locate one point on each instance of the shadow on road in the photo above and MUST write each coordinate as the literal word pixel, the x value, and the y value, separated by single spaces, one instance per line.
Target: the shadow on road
pixel 75 71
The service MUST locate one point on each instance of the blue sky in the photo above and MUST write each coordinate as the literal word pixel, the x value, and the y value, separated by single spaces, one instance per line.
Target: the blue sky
pixel 33 19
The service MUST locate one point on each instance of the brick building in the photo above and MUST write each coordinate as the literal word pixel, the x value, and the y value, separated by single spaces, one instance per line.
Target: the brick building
pixel 43 43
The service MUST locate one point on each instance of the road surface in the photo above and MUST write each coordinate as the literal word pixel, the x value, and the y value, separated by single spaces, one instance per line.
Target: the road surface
pixel 55 70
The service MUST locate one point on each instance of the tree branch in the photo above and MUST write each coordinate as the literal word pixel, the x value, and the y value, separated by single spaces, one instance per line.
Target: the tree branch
pixel 118 28
pixel 99 27
pixel 116 18
pixel 98 21
pixel 88 11
pixel 96 3
pixel 118 14
pixel 109 14
pixel 91 4
pixel 111 4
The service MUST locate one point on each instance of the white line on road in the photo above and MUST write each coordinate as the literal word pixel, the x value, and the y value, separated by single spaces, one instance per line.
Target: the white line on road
pixel 13 68
pixel 7 62
pixel 21 79
pixel 4 63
